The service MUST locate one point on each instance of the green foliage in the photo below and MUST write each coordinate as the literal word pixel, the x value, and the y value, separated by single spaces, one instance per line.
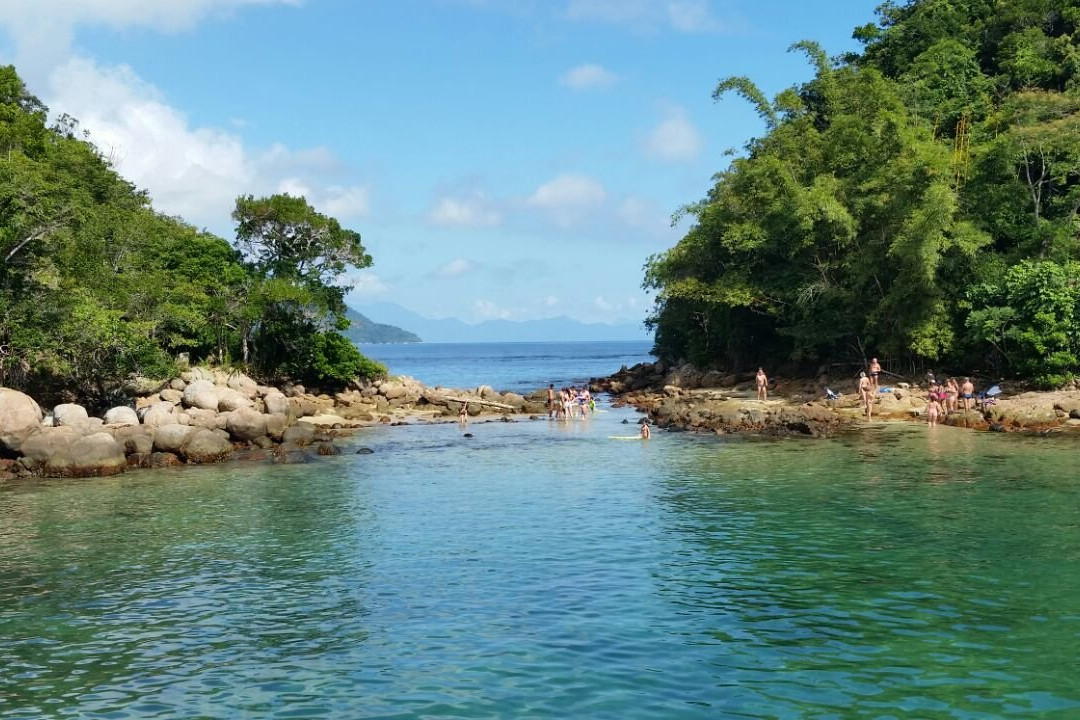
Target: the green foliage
pixel 330 358
pixel 95 286
pixel 909 202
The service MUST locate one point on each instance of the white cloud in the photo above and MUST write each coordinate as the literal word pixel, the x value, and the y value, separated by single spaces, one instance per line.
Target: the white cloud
pixel 194 172
pixel 687 16
pixel 551 301
pixel 345 203
pixel 367 284
pixel 588 77
pixel 674 139
pixel 455 268
pixel 487 310
pixel 471 211
pixel 568 198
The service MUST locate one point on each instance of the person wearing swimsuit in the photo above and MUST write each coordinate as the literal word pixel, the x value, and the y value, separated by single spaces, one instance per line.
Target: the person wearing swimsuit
pixel 933 410
pixel 967 392
pixel 551 400
pixel 952 395
pixel 875 370
pixel 865 394
pixel 762 385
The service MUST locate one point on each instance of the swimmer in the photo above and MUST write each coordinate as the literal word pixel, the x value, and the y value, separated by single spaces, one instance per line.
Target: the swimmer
pixel 645 432
pixel 551 400
pixel 762 385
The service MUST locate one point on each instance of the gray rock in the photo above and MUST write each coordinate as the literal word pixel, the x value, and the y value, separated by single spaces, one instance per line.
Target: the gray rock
pixel 171 438
pixel 300 434
pixel 364 451
pixel 171 396
pixel 20 417
pixel 70 415
pixel 121 415
pixel 246 424
pixel 201 394
pixel 206 446
pixel 229 400
pixel 159 414
pixel 276 424
pixel 276 403
pixel 242 384
pixel 136 440
pixel 177 384
pixel 64 452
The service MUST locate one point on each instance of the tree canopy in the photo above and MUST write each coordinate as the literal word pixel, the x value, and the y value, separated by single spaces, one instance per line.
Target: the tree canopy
pixel 909 202
pixel 96 286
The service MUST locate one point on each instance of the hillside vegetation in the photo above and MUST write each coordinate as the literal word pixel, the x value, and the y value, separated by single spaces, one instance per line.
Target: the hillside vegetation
pixel 916 201
pixel 97 287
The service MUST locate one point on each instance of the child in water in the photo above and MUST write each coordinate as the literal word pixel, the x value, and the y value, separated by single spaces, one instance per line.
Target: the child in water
pixel 933 410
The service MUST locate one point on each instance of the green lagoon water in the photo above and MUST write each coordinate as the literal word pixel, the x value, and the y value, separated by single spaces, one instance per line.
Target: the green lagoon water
pixel 541 570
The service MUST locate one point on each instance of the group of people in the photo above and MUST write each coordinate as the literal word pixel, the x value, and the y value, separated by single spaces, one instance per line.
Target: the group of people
pixel 943 398
pixel 947 397
pixel 569 403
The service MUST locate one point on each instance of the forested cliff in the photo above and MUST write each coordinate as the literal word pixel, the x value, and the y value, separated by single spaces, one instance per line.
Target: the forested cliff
pixel 916 201
pixel 97 287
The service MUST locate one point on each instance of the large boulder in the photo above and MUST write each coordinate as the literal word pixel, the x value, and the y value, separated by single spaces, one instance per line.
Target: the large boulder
pixel 276 403
pixel 170 395
pixel 201 394
pixel 229 400
pixel 242 384
pixel 136 440
pixel 202 418
pixel 246 424
pixel 159 414
pixel 20 417
pixel 70 415
pixel 299 434
pixel 196 374
pixel 64 452
pixel 121 415
pixel 171 438
pixel 207 446
pixel 276 424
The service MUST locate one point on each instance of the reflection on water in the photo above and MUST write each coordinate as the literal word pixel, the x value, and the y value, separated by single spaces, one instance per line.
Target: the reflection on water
pixel 542 570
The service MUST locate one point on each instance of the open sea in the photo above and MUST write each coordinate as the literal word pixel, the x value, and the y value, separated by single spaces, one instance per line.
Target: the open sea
pixel 544 569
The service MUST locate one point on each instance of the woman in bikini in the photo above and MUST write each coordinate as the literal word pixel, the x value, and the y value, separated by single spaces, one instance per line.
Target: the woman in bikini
pixel 952 394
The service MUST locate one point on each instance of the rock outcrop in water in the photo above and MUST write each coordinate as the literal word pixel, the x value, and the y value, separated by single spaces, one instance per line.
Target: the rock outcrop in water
pixel 207 416
pixel 685 398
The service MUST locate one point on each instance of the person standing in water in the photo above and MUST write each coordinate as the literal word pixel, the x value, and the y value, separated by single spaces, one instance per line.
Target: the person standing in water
pixel 463 416
pixel 933 410
pixel 762 385
pixel 645 432
pixel 866 394
pixel 551 400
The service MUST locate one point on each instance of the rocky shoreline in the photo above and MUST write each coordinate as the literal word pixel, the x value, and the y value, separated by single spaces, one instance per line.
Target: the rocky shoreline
pixel 210 415
pixel 684 398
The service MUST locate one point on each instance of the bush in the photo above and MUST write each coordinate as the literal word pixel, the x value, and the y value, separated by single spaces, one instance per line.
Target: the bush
pixel 331 358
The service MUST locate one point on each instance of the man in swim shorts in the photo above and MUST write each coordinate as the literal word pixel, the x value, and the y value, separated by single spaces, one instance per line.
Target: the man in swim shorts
pixel 762 385
pixel 967 393
pixel 875 370
pixel 551 400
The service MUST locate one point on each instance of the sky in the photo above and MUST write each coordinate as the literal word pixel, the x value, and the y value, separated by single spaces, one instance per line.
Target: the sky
pixel 511 159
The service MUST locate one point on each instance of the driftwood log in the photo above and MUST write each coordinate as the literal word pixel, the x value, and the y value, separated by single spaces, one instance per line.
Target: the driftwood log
pixel 489 403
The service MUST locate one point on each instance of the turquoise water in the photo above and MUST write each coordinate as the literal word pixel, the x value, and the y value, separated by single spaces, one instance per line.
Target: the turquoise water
pixel 520 367
pixel 542 570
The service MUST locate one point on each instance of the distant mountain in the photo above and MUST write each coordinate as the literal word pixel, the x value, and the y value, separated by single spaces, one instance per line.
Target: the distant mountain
pixel 546 330
pixel 365 330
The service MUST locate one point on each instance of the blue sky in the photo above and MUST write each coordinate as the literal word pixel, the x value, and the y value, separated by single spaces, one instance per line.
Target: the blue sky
pixel 512 159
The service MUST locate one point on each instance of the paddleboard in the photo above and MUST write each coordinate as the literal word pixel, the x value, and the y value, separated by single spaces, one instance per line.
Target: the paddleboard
pixel 624 437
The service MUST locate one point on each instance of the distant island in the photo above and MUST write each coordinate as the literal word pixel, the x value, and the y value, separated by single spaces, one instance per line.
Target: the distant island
pixel 453 330
pixel 364 330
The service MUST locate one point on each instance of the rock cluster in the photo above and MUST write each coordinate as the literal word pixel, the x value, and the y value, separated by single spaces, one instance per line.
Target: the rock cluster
pixel 209 415
pixel 686 398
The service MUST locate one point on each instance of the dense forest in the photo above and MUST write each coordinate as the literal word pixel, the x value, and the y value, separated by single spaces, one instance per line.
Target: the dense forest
pixel 97 288
pixel 916 201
